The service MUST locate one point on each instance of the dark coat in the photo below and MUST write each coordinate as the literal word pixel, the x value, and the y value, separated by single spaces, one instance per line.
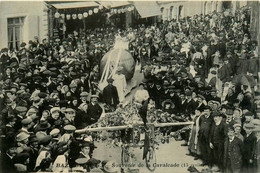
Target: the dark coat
pixel 110 95
pixel 205 126
pixel 217 133
pixel 233 151
pixel 249 147
pixel 94 112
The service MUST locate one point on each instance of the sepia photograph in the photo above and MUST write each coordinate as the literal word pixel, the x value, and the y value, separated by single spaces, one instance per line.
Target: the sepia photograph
pixel 130 86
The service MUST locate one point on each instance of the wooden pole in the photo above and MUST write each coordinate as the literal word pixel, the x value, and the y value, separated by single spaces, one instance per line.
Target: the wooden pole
pixel 130 126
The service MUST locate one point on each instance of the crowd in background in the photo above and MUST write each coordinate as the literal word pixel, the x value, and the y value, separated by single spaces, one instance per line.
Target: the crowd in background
pixel 202 68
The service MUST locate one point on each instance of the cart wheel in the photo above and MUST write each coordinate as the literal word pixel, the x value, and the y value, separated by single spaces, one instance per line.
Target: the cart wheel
pixel 150 159
pixel 125 157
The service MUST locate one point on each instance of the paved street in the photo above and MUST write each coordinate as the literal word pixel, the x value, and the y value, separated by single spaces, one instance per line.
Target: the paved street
pixel 173 154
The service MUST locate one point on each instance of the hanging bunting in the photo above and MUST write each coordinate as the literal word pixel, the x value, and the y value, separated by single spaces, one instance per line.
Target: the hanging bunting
pixel 68 16
pixel 90 12
pixel 95 10
pixel 62 16
pixel 80 16
pixel 74 16
pixel 57 15
pixel 115 11
pixel 85 14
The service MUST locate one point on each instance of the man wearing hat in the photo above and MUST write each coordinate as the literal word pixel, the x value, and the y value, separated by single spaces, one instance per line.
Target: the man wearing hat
pixel 256 160
pixel 237 127
pixel 68 135
pixel 22 139
pixel 84 97
pixel 27 124
pixel 110 94
pixel 69 116
pixel 205 122
pixel 233 148
pixel 216 139
pixel 229 122
pixel 94 110
pixel 249 144
pixel 21 111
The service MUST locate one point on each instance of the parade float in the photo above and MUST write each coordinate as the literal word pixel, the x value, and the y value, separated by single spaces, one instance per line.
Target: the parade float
pixel 124 128
pixel 118 64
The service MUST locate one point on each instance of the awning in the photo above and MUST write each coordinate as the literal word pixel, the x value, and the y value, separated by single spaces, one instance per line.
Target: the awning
pixel 66 5
pixel 147 8
pixel 113 4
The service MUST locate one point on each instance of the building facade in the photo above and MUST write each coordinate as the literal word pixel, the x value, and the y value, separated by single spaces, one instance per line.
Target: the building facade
pixel 22 21
pixel 180 9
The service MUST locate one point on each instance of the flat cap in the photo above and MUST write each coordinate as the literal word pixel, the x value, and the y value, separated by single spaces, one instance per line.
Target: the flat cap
pixel 81 161
pixel 54 109
pixel 73 85
pixel 22 136
pixel 26 121
pixel 69 128
pixel 21 109
pixel 84 94
pixel 54 132
pixel 69 110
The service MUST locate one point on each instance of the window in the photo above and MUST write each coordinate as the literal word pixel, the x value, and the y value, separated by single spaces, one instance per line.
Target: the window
pixel 171 11
pixel 15 32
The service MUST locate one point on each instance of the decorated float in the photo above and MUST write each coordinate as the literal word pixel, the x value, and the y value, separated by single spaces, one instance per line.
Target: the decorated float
pixel 118 64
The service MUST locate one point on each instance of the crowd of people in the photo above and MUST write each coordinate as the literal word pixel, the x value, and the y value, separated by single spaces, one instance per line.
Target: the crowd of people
pixel 202 68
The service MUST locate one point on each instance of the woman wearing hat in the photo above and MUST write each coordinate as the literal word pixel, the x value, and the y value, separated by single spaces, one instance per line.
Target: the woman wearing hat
pixel 85 150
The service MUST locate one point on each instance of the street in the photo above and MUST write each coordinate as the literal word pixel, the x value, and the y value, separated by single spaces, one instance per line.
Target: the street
pixel 171 157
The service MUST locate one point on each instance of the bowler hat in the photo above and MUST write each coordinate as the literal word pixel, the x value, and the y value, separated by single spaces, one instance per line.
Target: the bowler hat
pixel 45 139
pixel 44 125
pixel 93 161
pixel 110 80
